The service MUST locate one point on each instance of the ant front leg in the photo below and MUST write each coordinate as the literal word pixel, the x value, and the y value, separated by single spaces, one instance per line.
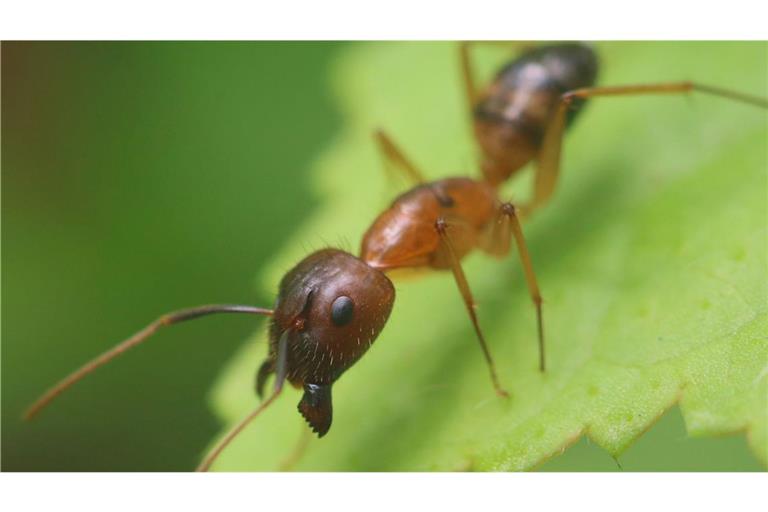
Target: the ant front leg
pixel 281 372
pixel 461 280
pixel 548 166
pixel 298 451
pixel 500 238
pixel 392 156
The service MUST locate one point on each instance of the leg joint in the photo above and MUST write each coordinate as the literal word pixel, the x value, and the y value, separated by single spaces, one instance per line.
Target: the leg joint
pixel 568 97
pixel 508 209
pixel 441 225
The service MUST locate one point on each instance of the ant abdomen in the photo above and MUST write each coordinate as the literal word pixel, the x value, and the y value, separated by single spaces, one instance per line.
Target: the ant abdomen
pixel 511 115
pixel 566 66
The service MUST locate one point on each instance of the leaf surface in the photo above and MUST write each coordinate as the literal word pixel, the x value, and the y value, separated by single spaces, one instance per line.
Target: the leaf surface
pixel 651 258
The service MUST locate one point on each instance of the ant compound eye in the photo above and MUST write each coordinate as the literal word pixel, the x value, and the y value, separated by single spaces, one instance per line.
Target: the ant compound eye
pixel 342 310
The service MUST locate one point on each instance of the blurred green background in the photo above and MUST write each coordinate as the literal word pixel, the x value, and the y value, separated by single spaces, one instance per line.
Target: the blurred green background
pixel 139 178
pixel 144 177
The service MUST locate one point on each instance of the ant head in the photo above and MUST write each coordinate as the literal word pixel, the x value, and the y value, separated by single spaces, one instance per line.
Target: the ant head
pixel 334 306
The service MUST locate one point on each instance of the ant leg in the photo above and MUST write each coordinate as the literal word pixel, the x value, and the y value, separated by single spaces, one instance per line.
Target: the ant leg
pixel 165 320
pixel 501 238
pixel 281 372
pixel 391 155
pixel 549 158
pixel 461 280
pixel 467 73
pixel 470 88
pixel 298 452
pixel 266 369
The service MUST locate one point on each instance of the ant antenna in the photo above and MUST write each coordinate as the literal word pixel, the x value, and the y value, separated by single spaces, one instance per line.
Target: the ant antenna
pixel 167 319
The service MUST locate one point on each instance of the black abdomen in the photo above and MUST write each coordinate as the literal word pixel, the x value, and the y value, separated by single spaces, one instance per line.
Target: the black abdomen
pixel 567 66
pixel 512 114
pixel 526 90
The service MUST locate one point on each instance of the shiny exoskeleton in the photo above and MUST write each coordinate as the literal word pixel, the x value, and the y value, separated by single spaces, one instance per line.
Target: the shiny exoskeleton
pixel 404 235
pixel 329 310
pixel 522 114
pixel 332 305
pixel 435 225
pixel 511 115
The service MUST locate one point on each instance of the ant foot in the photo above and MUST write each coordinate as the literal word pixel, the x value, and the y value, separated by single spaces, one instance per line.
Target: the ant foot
pixel 502 393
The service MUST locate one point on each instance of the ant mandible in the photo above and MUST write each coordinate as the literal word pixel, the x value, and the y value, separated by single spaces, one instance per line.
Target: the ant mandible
pixel 332 305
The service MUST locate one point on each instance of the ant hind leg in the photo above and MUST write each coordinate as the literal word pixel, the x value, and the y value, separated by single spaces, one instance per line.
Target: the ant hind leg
pixel 548 164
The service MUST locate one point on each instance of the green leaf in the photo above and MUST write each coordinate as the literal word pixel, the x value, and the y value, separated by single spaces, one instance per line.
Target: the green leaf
pixel 651 257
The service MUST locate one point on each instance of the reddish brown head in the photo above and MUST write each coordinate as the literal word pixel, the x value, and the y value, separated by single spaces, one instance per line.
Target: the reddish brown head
pixel 334 306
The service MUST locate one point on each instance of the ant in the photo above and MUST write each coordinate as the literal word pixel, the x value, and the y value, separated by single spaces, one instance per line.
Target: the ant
pixel 524 113
pixel 332 305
